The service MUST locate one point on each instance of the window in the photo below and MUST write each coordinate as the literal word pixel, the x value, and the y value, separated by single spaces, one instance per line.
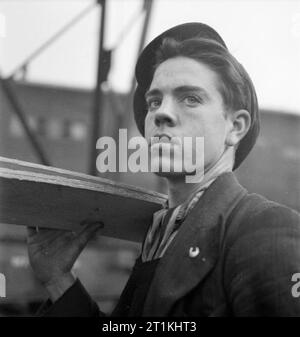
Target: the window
pixel 78 131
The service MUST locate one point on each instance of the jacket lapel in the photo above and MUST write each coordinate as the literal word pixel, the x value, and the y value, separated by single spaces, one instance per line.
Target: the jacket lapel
pixel 177 272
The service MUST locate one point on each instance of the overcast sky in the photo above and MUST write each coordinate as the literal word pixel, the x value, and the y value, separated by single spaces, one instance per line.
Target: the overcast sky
pixel 263 35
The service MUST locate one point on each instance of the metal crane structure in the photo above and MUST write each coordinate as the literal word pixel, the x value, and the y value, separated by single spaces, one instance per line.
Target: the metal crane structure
pixel 103 67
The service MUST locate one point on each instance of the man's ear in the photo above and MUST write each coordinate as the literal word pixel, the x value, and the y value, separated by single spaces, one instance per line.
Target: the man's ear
pixel 240 122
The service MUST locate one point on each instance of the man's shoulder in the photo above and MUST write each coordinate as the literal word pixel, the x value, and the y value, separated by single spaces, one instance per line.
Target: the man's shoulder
pixel 278 212
pixel 255 207
pixel 257 216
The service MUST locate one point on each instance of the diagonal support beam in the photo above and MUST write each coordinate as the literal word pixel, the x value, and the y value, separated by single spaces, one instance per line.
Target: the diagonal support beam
pixel 18 110
pixel 51 40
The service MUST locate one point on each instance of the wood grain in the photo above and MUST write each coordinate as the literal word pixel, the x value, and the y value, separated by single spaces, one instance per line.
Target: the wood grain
pixel 37 195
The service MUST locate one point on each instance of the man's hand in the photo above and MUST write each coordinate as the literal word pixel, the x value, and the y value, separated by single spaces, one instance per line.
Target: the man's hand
pixel 52 254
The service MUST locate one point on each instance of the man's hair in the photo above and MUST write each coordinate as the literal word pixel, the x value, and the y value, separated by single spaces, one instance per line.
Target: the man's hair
pixel 234 80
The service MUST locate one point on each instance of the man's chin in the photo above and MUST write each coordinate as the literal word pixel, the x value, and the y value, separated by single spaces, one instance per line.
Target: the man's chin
pixel 171 175
pixel 167 174
pixel 179 176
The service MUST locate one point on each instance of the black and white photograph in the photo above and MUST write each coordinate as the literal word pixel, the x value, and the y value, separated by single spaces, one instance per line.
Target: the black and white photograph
pixel 149 161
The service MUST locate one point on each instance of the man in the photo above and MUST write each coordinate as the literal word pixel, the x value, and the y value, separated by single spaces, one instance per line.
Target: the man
pixel 214 249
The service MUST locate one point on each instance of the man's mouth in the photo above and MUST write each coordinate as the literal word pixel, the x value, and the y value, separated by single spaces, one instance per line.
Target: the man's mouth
pixel 160 138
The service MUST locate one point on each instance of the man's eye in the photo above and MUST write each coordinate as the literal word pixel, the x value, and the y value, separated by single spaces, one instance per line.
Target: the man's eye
pixel 153 103
pixel 192 100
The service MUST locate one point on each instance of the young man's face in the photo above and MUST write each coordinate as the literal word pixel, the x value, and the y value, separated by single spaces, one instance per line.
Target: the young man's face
pixel 183 101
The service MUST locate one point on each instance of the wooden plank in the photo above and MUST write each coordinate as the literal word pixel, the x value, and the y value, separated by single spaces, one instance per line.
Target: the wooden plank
pixel 38 195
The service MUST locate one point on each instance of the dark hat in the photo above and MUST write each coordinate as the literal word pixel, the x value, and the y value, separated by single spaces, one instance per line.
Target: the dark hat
pixel 145 69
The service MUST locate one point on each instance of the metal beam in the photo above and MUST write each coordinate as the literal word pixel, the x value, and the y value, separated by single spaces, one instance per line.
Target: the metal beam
pixel 18 110
pixel 97 115
pixel 148 5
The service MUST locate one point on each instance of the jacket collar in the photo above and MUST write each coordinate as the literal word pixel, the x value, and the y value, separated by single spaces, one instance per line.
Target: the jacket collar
pixel 177 272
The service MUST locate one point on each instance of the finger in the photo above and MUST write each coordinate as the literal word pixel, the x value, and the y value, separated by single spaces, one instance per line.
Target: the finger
pixel 85 235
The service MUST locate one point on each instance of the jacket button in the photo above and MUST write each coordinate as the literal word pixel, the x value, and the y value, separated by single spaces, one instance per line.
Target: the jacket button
pixel 194 251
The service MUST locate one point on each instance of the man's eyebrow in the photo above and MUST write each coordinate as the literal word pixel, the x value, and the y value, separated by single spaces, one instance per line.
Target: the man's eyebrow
pixel 179 90
pixel 152 92
pixel 189 88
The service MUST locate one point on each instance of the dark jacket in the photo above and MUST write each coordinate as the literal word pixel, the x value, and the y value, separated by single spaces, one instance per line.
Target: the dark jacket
pixel 249 250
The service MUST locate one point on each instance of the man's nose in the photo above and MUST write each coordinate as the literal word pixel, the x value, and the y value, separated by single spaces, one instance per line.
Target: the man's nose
pixel 165 115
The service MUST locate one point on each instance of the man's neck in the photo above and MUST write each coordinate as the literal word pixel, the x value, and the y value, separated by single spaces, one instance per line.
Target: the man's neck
pixel 179 191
